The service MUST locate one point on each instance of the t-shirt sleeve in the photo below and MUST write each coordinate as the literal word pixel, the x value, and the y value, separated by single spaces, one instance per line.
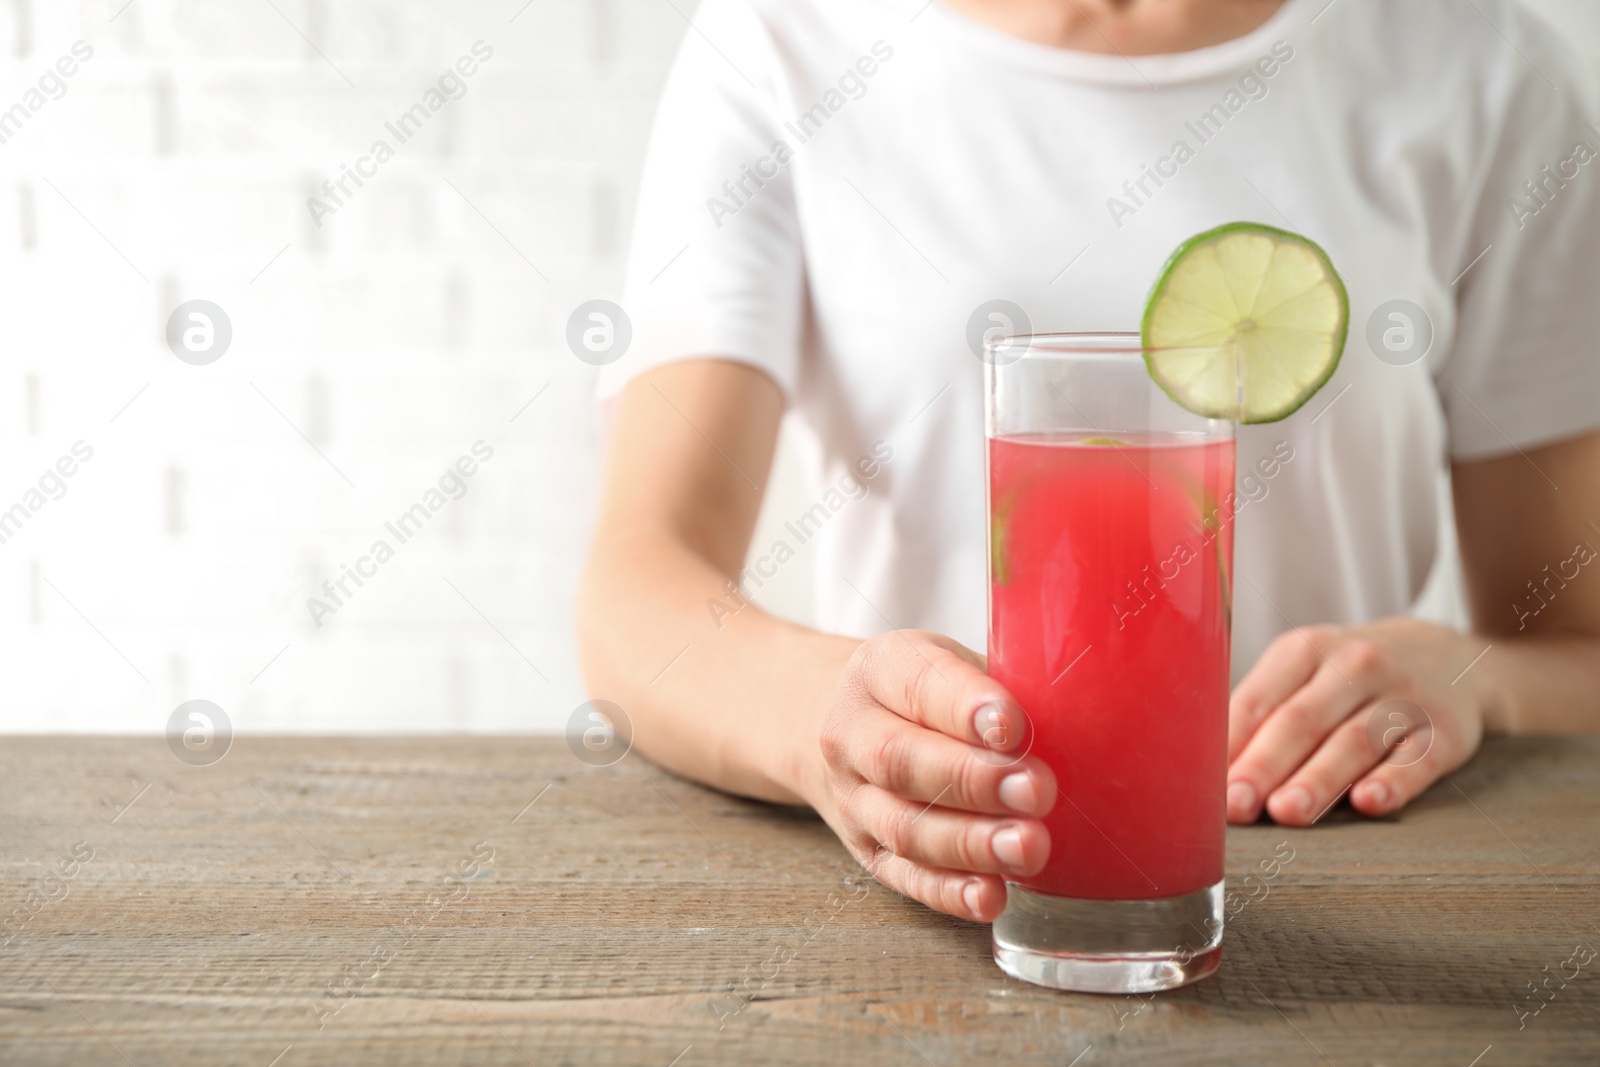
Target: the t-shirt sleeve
pixel 715 268
pixel 1525 366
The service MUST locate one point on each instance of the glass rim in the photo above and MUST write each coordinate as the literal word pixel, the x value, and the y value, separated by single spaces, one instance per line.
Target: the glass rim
pixel 1101 342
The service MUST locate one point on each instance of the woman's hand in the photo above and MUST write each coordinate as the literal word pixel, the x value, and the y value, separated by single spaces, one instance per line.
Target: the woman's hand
pixel 927 778
pixel 1382 710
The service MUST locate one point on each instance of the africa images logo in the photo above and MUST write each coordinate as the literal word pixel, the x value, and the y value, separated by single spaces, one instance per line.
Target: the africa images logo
pixel 852 85
pixel 452 85
pixel 1251 86
pixel 452 486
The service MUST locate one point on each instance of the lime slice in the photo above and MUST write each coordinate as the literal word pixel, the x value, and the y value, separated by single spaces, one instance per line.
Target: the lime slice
pixel 1246 321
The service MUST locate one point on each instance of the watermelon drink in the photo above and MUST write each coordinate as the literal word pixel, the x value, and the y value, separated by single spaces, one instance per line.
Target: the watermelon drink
pixel 1110 563
pixel 1109 623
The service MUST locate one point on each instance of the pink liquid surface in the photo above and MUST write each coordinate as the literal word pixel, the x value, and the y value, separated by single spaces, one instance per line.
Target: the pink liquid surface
pixel 1109 620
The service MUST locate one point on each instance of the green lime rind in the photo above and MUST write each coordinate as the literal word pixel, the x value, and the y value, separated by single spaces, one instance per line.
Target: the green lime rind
pixel 1205 505
pixel 997 540
pixel 1158 314
pixel 1001 515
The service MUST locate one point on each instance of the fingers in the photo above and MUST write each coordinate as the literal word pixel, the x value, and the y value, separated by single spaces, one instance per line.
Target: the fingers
pixel 935 682
pixel 918 740
pixel 1371 710
pixel 978 897
pixel 1293 730
pixel 937 837
pixel 1398 780
pixel 1287 664
pixel 923 766
pixel 1345 756
pixel 1380 780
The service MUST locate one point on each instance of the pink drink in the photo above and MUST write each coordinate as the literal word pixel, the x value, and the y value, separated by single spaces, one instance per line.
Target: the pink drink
pixel 1109 621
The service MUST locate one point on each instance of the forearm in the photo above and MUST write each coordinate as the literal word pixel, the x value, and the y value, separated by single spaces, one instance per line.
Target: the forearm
pixel 1525 551
pixel 1548 684
pixel 741 707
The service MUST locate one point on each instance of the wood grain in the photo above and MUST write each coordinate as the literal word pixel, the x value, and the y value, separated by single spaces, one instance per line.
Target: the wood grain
pixel 274 909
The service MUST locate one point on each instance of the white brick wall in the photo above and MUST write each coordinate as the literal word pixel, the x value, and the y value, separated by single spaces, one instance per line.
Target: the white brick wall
pixel 393 337
pixel 176 166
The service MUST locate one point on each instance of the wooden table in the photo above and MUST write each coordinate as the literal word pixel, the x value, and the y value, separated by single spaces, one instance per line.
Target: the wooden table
pixel 497 901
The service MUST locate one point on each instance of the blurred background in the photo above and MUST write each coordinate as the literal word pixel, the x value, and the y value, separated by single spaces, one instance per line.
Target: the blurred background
pixel 367 344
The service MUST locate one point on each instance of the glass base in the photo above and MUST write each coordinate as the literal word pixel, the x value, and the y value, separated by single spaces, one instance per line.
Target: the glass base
pixel 1109 946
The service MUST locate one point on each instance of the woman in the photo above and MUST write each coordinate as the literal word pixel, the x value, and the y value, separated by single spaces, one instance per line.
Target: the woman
pixel 835 193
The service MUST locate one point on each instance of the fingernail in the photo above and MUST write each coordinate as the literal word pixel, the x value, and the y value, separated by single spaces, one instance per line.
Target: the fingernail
pixel 1017 793
pixel 1242 800
pixel 1297 800
pixel 972 895
pixel 1376 795
pixel 1007 846
pixel 994 725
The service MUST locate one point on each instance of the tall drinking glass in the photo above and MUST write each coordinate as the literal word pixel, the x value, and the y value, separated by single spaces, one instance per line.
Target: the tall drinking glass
pixel 1110 563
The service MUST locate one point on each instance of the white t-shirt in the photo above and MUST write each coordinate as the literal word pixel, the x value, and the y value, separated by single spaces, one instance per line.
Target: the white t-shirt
pixel 833 187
